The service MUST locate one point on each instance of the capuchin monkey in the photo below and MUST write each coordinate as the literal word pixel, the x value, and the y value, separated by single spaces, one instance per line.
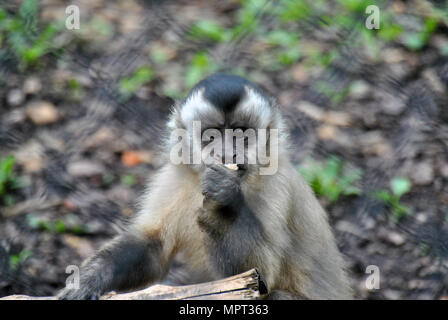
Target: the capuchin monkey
pixel 224 219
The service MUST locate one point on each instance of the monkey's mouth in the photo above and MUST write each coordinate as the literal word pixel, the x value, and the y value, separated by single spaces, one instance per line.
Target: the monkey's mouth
pixel 237 165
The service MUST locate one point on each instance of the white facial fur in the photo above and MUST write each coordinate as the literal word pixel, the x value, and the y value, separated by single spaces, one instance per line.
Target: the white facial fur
pixel 253 111
pixel 254 108
pixel 197 108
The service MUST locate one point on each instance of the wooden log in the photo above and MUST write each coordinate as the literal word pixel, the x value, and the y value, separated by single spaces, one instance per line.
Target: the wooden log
pixel 244 286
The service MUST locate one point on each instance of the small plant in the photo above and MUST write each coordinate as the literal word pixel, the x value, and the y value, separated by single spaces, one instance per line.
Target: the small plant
pixel 51 226
pixel 76 90
pixel 330 180
pixel 57 227
pixel 285 49
pixel 199 67
pixel 8 180
pixel 128 179
pixel 209 30
pixel 21 34
pixel 294 10
pixel 417 40
pixel 389 30
pixel 353 5
pixel 248 17
pixel 128 86
pixel 17 259
pixel 399 187
pixel 6 173
pixel 158 55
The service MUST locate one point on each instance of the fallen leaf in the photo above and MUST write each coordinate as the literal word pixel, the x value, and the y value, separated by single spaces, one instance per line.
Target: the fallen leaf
pixel 130 158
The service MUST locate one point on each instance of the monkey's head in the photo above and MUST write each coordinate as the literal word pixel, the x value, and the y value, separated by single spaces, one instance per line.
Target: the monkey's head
pixel 228 119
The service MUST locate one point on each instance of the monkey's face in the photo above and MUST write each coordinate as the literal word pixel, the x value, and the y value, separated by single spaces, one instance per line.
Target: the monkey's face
pixel 227 120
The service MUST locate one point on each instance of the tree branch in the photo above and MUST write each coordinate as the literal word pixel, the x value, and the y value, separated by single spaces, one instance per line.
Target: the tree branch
pixel 244 286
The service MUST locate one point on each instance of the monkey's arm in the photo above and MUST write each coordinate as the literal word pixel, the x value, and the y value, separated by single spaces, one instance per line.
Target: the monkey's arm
pixel 142 255
pixel 126 262
pixel 234 230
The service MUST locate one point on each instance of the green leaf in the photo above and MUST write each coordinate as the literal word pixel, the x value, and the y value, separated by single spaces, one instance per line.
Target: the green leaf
pixel 333 167
pixel 333 192
pixel 382 195
pixel 316 185
pixel 33 221
pixel 289 56
pixel 2 15
pixel 79 229
pixel 158 55
pixel 329 180
pixel 399 211
pixel 282 38
pixel 200 60
pixel 29 14
pixel 29 8
pixel 353 5
pixel 400 186
pixel 73 84
pixel 414 41
pixel 140 77
pixel 33 54
pixel 402 210
pixel 430 25
pixel 128 179
pixel 247 17
pixel 60 226
pixel 294 10
pixel 6 166
pixel 307 174
pixel 352 191
pixel 46 225
pixel 208 30
pixel 390 32
pixel 16 259
pixel 199 67
pixel 351 177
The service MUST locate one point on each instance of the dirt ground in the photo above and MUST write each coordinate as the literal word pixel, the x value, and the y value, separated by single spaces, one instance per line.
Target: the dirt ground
pixel 83 152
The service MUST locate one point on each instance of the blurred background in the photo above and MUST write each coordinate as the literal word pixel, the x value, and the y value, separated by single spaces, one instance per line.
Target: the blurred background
pixel 81 113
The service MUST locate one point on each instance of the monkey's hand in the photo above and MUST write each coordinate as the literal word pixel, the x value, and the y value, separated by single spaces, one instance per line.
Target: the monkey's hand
pixel 86 291
pixel 127 262
pixel 77 294
pixel 221 184
pixel 233 229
